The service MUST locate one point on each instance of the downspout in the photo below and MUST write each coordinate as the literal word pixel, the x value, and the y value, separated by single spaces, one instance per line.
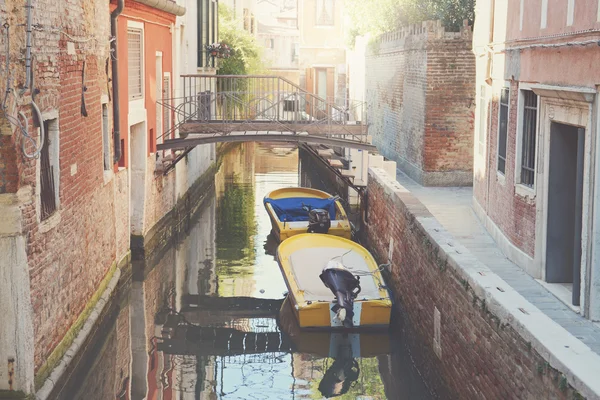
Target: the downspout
pixel 28 48
pixel 115 80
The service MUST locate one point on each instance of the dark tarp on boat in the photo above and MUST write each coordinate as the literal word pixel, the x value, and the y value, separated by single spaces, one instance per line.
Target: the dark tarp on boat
pixel 292 209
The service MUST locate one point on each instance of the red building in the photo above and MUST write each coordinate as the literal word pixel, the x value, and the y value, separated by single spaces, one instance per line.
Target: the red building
pixel 536 167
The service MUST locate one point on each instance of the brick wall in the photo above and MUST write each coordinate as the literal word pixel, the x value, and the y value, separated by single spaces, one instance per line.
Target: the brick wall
pixel 512 213
pixel 481 352
pixel 420 92
pixel 70 253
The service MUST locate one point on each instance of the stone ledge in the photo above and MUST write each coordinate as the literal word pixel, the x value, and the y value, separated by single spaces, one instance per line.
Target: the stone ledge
pixel 564 352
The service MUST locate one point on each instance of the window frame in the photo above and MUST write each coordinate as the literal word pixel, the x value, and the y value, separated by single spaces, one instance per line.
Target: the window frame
pixel 520 187
pixel 506 86
pixel 107 164
pixel 136 28
pixel 51 118
pixel 207 32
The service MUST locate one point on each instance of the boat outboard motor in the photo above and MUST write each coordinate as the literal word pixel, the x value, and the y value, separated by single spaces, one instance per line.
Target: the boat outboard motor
pixel 340 376
pixel 345 287
pixel 318 221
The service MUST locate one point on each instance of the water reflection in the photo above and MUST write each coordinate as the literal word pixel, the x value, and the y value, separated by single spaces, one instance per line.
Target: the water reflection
pixel 204 321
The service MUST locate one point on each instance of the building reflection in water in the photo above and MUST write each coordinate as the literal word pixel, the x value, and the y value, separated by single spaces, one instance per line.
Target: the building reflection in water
pixel 204 321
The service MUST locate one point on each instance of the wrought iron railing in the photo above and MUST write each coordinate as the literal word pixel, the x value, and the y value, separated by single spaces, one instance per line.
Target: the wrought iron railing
pixel 231 99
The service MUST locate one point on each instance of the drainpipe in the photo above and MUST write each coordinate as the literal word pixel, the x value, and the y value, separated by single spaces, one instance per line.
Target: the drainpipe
pixel 115 80
pixel 28 48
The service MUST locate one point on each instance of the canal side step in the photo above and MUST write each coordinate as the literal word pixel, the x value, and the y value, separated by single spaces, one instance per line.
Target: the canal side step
pixel 336 163
pixel 325 153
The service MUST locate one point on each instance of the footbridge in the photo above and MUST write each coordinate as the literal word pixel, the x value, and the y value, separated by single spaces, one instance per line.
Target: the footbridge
pixel 234 108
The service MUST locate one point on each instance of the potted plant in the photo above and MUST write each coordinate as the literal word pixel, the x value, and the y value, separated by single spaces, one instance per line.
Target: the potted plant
pixel 219 50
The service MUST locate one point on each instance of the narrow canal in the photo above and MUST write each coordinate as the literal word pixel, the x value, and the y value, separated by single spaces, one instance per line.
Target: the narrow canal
pixel 203 321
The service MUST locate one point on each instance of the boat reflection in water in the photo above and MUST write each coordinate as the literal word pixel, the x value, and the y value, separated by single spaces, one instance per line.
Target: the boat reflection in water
pixel 343 348
pixel 201 320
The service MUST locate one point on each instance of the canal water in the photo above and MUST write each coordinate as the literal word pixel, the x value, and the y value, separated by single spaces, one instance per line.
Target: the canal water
pixel 204 321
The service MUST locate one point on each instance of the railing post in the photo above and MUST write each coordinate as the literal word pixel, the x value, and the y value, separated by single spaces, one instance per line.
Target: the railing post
pixel 278 97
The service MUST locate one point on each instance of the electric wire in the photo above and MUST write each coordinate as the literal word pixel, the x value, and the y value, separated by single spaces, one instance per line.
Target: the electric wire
pixel 20 121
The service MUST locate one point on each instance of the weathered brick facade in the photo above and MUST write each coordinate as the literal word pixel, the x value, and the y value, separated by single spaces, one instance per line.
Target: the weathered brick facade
pixel 420 91
pixel 69 253
pixel 514 214
pixel 480 352
pixel 50 268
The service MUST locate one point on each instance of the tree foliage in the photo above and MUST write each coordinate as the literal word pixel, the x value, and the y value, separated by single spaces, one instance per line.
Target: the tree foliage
pixel 246 58
pixel 378 16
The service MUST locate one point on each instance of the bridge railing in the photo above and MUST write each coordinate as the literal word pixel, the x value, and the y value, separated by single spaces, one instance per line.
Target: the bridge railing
pixel 243 98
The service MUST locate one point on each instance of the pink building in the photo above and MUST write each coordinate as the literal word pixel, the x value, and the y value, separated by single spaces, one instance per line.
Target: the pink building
pixel 536 169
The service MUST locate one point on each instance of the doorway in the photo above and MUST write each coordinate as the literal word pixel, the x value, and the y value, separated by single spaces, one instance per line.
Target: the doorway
pixel 565 194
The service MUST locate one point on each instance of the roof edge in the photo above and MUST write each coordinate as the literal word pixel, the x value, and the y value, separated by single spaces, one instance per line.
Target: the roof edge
pixel 165 5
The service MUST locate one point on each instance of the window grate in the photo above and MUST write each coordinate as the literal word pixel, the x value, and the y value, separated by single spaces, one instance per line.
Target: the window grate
pixel 503 129
pixel 47 192
pixel 530 109
pixel 105 138
pixel 135 64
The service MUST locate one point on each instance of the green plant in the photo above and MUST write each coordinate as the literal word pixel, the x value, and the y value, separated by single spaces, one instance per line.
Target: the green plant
pixel 246 56
pixel 375 17
pixel 562 384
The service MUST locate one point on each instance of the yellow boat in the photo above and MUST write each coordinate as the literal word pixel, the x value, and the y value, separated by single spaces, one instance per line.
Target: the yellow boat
pixel 320 272
pixel 300 210
pixel 325 343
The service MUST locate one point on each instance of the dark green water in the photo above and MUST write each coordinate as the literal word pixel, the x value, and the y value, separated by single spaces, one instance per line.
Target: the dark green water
pixel 203 322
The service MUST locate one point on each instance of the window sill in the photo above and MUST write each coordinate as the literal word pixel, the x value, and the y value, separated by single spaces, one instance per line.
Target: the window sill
pixel 500 178
pixel 108 175
pixel 50 223
pixel 525 191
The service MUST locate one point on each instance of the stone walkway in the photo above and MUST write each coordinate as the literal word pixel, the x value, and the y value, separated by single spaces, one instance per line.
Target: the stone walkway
pixel 452 208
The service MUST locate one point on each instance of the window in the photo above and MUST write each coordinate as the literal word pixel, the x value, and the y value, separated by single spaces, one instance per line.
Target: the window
pixel 325 10
pixel 105 138
pixel 135 64
pixel 503 129
pixel 482 120
pixel 207 30
pixel 528 137
pixel 49 170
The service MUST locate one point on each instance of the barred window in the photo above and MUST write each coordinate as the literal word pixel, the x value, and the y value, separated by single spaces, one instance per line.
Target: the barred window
pixel 503 129
pixel 49 170
pixel 528 139
pixel 135 64
pixel 105 138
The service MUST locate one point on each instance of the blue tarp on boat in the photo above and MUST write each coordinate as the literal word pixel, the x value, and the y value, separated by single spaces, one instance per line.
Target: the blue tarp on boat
pixel 291 209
